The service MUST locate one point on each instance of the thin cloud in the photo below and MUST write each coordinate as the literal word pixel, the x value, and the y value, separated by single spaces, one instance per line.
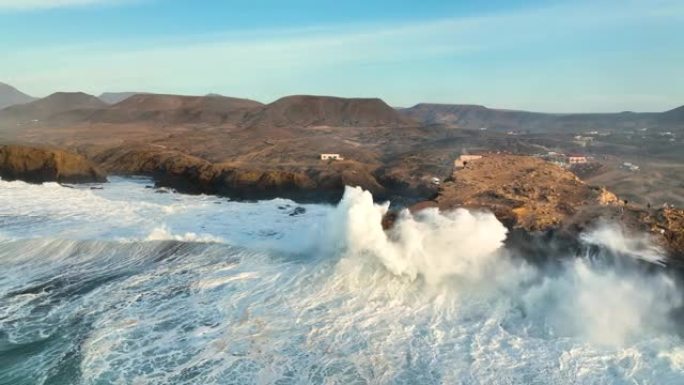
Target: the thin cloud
pixel 27 5
pixel 490 59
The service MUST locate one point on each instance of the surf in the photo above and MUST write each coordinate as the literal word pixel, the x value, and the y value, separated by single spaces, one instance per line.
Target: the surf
pixel 126 285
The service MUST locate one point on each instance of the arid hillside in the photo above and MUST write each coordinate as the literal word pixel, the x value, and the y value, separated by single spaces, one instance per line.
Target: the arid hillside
pixel 308 111
pixel 175 110
pixel 53 109
pixel 480 117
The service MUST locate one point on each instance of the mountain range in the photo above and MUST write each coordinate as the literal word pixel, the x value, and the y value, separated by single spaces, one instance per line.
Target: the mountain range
pixel 481 117
pixel 307 111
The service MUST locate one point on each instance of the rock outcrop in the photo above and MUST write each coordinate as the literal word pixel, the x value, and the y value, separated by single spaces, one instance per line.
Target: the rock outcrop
pixel 523 192
pixel 190 174
pixel 667 226
pixel 38 165
pixel 540 202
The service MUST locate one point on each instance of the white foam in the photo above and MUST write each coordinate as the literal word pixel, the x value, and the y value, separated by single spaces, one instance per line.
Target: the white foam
pixel 163 233
pixel 614 237
pixel 431 244
pixel 125 210
pixel 435 300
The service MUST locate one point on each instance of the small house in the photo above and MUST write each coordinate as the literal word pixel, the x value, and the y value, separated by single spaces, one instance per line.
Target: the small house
pixel 577 159
pixel 331 157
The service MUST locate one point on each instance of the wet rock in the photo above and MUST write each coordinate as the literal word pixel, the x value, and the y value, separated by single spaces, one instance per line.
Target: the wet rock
pixel 298 211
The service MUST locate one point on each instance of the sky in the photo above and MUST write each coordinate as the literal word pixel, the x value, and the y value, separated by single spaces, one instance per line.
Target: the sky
pixel 552 56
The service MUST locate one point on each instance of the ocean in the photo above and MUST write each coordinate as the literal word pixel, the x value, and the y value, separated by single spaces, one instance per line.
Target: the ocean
pixel 121 283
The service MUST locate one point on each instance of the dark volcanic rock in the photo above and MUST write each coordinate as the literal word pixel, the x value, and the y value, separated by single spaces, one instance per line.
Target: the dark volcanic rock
pixel 298 211
pixel 37 165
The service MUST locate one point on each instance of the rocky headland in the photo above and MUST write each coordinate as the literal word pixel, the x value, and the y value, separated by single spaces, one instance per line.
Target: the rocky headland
pixel 38 165
pixel 190 174
pixel 544 205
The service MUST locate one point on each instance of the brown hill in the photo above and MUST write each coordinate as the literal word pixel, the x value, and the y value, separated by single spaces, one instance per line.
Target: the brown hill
pixel 308 111
pixel 176 109
pixel 38 165
pixel 476 117
pixel 674 116
pixel 52 107
pixel 471 116
pixel 10 96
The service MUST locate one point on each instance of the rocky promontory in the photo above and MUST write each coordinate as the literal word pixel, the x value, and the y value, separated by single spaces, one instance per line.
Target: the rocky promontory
pixel 38 165
pixel 539 200
pixel 324 182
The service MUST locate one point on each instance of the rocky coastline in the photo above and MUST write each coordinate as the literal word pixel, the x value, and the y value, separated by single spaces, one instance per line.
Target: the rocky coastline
pixel 540 203
pixel 39 165
pixel 544 205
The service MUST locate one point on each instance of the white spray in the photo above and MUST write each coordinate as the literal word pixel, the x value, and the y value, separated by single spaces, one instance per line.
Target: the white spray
pixel 429 244
pixel 607 305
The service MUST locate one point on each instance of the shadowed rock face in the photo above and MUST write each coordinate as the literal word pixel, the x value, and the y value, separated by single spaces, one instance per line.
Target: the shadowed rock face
pixel 37 165
pixel 668 225
pixel 195 175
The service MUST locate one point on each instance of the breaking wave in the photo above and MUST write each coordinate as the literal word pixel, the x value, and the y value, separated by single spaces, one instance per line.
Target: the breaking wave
pixel 127 285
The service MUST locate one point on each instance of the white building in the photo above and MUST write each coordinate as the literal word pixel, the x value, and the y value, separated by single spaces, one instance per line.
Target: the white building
pixel 630 166
pixel 577 159
pixel 331 157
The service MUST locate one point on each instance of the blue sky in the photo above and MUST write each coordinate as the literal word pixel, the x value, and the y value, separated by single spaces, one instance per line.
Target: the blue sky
pixel 563 56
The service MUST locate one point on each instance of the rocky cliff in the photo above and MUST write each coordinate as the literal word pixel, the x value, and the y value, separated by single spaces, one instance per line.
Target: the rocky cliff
pixel 38 165
pixel 532 196
pixel 190 174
